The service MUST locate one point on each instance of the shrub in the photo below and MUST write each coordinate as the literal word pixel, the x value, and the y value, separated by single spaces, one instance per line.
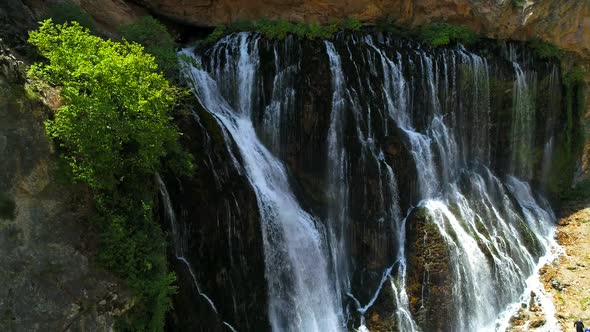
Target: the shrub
pixel 573 76
pixel 350 23
pixel 156 40
pixel 278 30
pixel 442 34
pixel 113 129
pixel 115 119
pixel 543 49
pixel 214 36
pixel 70 12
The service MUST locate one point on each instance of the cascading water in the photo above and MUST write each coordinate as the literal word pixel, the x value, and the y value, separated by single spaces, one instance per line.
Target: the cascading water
pixel 406 127
pixel 300 294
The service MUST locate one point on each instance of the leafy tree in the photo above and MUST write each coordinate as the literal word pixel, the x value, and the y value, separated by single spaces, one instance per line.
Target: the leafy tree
pixel 113 128
pixel 350 23
pixel 156 40
pixel 442 34
pixel 115 115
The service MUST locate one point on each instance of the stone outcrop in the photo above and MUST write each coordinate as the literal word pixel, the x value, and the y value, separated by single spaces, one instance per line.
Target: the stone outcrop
pixel 429 278
pixel 563 23
pixel 50 281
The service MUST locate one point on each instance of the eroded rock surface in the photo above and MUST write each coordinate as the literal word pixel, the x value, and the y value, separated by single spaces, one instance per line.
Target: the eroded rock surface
pixel 49 279
pixel 564 23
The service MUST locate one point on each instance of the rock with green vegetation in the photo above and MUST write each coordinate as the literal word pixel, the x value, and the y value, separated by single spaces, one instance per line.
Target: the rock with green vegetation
pixel 280 29
pixel 113 127
pixel 544 50
pixel 442 34
pixel 48 271
pixel 115 117
pixel 429 278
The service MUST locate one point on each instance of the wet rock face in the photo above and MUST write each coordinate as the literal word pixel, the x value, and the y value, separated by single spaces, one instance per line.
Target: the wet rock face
pixel 219 228
pixel 429 277
pixel 49 279
pixel 564 23
pixel 15 20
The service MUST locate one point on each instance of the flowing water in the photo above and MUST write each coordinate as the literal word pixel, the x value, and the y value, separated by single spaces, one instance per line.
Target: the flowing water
pixel 436 105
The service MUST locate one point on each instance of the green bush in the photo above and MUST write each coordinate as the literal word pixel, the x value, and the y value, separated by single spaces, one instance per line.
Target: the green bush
pixel 113 129
pixel 70 12
pixel 442 34
pixel 7 207
pixel 350 24
pixel 280 29
pixel 132 245
pixel 574 76
pixel 156 40
pixel 115 119
pixel 543 49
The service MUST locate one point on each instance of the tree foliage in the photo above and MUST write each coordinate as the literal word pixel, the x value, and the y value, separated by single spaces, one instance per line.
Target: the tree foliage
pixel 280 29
pixel 442 34
pixel 543 49
pixel 156 40
pixel 113 128
pixel 115 115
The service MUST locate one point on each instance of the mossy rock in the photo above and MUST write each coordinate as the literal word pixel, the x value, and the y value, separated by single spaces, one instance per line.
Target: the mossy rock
pixel 429 279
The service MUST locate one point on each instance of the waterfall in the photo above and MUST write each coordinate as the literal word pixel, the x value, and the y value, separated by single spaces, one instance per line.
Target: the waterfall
pixel 179 244
pixel 404 128
pixel 301 297
pixel 523 122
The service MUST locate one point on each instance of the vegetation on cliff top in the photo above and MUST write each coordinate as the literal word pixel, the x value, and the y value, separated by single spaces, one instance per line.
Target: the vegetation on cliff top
pixel 544 50
pixel 156 41
pixel 442 34
pixel 114 126
pixel 280 29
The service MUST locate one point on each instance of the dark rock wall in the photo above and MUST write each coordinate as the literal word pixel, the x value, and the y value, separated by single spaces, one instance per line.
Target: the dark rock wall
pixel 50 281
pixel 219 224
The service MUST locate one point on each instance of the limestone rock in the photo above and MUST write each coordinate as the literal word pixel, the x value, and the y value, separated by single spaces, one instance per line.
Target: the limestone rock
pixel 564 23
pixel 49 279
pixel 429 297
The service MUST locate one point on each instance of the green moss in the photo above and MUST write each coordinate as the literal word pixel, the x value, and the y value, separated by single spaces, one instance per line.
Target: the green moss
pixel 570 140
pixel 544 50
pixel 442 34
pixel 7 207
pixel 574 76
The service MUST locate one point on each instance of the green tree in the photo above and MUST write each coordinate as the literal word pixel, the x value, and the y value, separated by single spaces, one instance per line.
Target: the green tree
pixel 442 34
pixel 115 115
pixel 157 41
pixel 113 128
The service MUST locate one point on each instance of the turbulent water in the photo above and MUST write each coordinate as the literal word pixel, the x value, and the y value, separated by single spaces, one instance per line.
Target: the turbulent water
pixel 327 263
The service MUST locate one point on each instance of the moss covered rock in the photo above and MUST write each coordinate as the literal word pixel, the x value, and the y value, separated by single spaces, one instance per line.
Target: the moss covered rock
pixel 429 279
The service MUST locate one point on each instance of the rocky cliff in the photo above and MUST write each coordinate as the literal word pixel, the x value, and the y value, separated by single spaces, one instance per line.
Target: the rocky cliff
pixel 50 281
pixel 563 23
